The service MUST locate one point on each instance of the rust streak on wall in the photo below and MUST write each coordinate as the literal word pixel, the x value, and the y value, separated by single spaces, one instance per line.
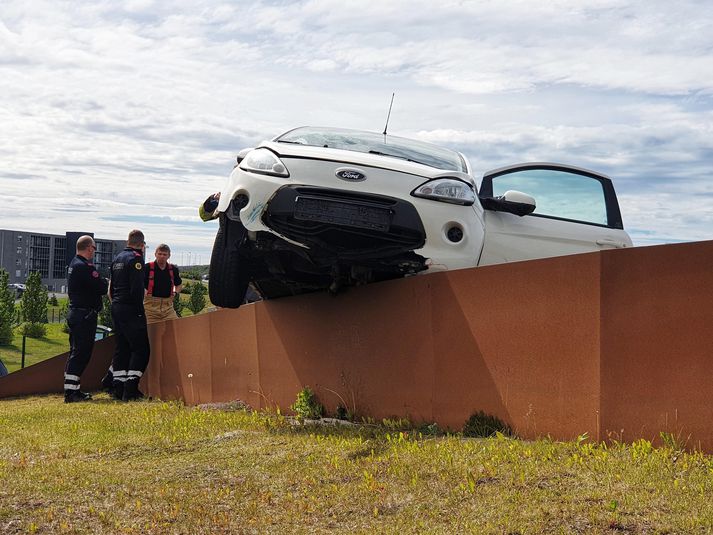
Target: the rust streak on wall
pixel 616 344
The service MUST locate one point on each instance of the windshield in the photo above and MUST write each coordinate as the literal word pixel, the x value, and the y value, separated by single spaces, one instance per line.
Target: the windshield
pixel 373 143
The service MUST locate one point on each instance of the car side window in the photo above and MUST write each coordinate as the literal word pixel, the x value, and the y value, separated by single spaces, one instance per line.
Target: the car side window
pixel 558 194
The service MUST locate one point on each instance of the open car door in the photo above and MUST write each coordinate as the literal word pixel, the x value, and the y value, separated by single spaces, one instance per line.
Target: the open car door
pixel 575 211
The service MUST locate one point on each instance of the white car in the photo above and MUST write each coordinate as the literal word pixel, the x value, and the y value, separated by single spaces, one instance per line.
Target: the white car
pixel 325 208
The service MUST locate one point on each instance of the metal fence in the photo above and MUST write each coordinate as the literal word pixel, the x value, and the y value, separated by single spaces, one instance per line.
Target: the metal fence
pixel 54 315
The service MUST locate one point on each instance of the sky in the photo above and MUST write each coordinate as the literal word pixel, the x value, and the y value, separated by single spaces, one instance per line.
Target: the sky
pixel 126 114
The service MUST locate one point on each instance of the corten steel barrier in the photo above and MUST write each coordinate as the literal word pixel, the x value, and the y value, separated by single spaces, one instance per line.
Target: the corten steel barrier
pixel 616 344
pixel 47 377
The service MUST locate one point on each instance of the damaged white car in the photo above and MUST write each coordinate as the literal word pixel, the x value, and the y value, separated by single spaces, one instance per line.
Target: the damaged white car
pixel 327 208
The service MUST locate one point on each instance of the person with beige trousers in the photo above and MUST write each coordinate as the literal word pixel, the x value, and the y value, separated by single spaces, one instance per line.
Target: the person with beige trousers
pixel 162 281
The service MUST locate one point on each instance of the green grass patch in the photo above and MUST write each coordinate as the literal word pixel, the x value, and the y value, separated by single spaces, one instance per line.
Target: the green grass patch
pixel 36 349
pixel 153 467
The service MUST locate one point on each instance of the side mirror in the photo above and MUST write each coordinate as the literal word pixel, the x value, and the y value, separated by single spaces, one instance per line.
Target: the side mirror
pixel 512 201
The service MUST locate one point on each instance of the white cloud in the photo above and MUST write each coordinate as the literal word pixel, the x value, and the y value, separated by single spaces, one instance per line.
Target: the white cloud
pixel 135 109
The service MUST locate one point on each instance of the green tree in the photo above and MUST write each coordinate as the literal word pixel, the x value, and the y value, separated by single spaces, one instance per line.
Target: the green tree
pixel 104 317
pixel 34 305
pixel 177 304
pixel 197 301
pixel 7 308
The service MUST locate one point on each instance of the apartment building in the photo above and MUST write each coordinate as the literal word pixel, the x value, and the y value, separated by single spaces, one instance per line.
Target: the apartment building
pixel 22 253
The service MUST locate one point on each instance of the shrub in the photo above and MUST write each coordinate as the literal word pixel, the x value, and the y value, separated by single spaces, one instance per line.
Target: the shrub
pixel 430 429
pixel 177 304
pixel 307 407
pixel 34 300
pixel 53 300
pixel 342 413
pixel 104 316
pixel 33 329
pixel 197 301
pixel 485 425
pixel 7 308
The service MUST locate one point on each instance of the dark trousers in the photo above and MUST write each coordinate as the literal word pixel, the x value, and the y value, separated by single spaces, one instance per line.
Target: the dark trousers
pixel 132 345
pixel 82 324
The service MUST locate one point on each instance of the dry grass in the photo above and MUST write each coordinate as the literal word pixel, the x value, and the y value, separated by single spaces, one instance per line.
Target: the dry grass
pixel 152 467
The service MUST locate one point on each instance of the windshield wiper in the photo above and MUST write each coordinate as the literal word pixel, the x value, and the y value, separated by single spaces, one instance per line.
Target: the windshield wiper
pixel 290 142
pixel 379 153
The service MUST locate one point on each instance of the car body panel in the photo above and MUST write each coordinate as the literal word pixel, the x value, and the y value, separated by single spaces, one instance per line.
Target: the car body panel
pixel 510 238
pixel 577 212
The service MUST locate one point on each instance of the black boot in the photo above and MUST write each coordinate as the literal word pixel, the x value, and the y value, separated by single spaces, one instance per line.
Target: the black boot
pixel 131 391
pixel 108 383
pixel 74 396
pixel 117 390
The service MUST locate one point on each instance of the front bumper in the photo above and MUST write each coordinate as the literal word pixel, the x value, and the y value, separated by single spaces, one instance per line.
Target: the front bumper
pixel 345 224
pixel 419 225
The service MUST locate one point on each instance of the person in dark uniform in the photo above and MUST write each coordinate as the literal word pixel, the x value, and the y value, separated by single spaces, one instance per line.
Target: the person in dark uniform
pixel 86 288
pixel 127 311
pixel 162 282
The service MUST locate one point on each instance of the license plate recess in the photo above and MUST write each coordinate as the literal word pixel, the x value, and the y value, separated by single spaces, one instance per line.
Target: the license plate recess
pixel 348 213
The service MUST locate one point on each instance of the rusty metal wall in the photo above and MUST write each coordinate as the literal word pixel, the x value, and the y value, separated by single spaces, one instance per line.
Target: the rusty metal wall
pixel 617 344
pixel 47 377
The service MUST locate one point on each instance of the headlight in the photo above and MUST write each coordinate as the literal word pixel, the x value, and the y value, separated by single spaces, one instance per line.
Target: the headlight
pixel 264 162
pixel 447 190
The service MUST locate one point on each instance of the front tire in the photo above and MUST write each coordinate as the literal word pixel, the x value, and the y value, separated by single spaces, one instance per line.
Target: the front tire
pixel 229 272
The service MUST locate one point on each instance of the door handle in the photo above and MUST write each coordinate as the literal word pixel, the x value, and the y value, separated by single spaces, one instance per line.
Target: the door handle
pixel 611 243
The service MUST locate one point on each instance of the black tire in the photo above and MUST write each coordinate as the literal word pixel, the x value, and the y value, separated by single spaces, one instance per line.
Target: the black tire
pixel 229 272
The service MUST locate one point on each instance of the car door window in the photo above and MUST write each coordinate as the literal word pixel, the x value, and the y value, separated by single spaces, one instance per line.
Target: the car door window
pixel 558 194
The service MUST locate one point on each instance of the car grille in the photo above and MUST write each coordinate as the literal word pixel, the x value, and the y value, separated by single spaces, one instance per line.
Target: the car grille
pixel 345 222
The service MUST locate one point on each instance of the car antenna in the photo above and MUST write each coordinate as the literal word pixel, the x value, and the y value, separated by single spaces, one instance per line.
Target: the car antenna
pixel 386 126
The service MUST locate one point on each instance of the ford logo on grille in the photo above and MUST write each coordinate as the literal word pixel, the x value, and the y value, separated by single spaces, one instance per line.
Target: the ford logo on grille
pixel 351 175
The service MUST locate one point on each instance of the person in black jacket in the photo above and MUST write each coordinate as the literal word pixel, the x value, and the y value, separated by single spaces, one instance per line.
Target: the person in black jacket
pixel 86 288
pixel 127 311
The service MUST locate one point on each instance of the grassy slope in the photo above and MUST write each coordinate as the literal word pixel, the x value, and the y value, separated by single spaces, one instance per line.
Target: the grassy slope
pixel 152 467
pixel 37 349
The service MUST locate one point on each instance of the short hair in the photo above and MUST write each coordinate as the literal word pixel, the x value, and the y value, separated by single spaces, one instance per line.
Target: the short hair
pixel 84 242
pixel 136 238
pixel 163 247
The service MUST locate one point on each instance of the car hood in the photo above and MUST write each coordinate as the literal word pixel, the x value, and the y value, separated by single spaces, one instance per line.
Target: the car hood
pixel 288 150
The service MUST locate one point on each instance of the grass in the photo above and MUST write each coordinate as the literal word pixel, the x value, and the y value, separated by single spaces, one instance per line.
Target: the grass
pixel 36 349
pixel 153 467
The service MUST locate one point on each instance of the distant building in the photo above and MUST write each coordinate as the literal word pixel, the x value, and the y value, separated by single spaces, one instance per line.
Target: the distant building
pixel 22 253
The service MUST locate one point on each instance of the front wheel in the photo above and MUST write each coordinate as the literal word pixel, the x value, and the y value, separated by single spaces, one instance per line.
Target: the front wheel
pixel 229 271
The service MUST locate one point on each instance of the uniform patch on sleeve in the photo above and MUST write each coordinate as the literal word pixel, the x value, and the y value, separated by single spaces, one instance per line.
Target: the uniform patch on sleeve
pixel 95 274
pixel 138 265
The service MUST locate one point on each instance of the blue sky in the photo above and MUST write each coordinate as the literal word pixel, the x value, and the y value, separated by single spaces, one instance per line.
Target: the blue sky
pixel 127 114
